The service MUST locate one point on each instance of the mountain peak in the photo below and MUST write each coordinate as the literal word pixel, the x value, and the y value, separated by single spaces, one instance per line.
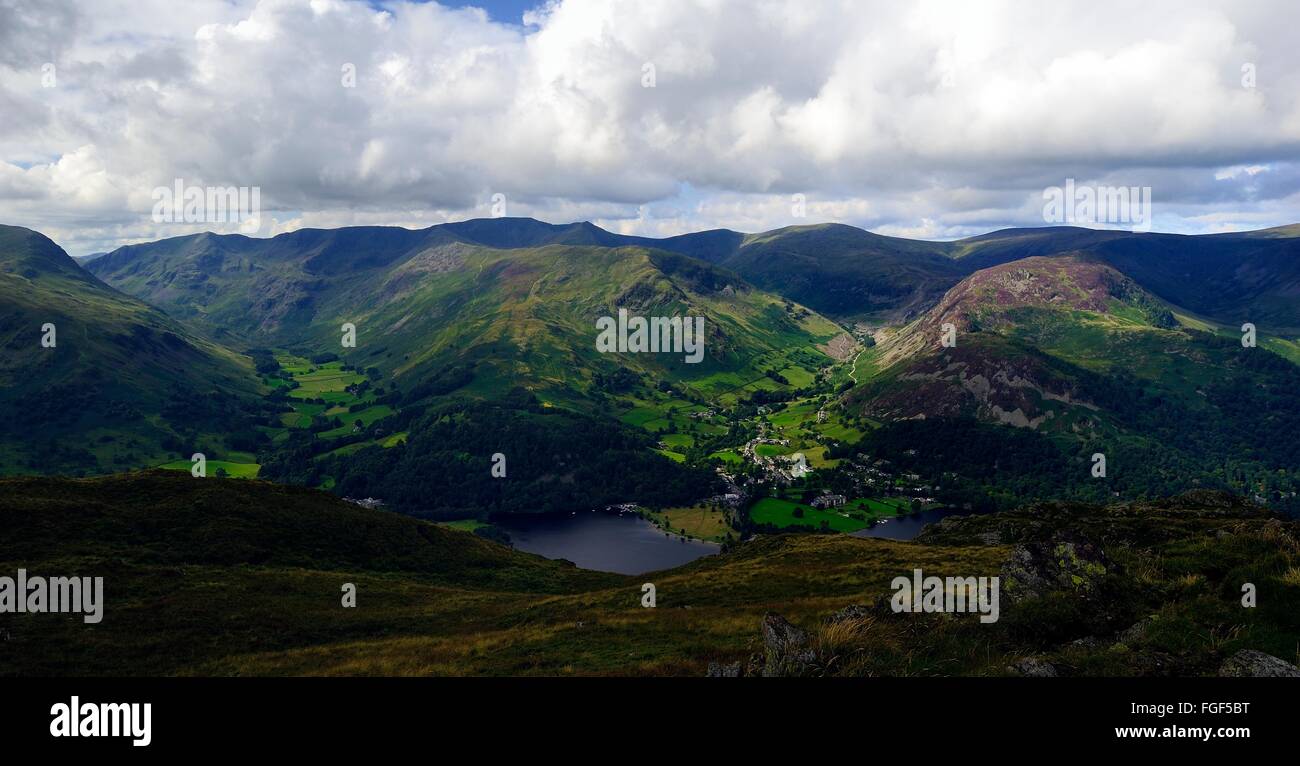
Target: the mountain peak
pixel 1068 283
pixel 31 253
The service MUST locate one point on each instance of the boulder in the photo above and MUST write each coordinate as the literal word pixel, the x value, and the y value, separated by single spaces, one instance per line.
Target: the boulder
pixel 786 648
pixel 1249 663
pixel 1064 563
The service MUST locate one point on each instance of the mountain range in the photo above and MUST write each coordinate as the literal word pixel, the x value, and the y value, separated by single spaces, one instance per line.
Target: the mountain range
pixel 1085 340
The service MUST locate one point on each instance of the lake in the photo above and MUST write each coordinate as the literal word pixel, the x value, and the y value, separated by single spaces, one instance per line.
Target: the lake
pixel 628 544
pixel 909 526
pixel 606 542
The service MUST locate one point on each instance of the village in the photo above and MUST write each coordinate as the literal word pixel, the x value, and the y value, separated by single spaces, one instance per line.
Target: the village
pixel 783 478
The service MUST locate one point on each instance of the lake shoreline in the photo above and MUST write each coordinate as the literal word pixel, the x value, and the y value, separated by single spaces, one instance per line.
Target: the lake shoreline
pixel 603 540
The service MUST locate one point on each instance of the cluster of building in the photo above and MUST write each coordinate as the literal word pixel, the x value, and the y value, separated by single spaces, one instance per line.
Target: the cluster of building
pixel 828 501
pixel 877 477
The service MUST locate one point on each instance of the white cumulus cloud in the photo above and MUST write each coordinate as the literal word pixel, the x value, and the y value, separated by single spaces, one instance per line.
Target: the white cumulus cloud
pixel 929 118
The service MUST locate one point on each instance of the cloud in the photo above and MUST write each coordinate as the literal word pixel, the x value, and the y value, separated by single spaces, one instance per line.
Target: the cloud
pixel 929 118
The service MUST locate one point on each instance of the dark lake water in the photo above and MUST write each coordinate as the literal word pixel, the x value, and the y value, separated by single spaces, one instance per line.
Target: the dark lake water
pixel 909 526
pixel 628 544
pixel 606 542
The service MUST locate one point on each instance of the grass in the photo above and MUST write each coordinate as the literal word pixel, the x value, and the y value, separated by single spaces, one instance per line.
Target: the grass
pixel 878 508
pixel 699 521
pixel 464 525
pixel 244 578
pixel 780 513
pixel 366 416
pixel 234 470
pixel 676 457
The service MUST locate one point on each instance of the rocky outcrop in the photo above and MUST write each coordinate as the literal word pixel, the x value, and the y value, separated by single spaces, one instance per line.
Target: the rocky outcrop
pixel 786 648
pixel 1065 563
pixel 1249 663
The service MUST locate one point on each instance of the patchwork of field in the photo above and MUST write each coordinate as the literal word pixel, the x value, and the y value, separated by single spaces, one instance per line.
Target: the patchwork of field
pixel 315 391
pixel 669 418
pixel 797 367
pixel 798 424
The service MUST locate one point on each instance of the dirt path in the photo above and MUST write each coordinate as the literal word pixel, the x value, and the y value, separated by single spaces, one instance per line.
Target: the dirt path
pixel 853 371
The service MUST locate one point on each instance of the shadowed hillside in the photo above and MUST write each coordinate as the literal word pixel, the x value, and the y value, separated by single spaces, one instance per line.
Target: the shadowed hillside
pixel 123 384
pixel 209 576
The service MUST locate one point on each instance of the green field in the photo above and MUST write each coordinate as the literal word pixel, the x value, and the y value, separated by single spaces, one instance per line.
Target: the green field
pixel 366 416
pixel 322 380
pixel 728 456
pixel 234 470
pixel 677 440
pixel 780 513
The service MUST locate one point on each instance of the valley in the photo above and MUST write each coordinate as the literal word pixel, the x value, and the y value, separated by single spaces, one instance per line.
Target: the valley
pixel 792 420
pixel 498 487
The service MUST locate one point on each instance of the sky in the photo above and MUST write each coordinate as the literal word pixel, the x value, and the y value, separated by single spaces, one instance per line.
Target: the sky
pixel 922 119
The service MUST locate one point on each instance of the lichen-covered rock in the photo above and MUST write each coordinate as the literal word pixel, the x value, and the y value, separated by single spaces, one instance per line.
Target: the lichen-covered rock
pixel 1032 667
pixel 786 648
pixel 1065 563
pixel 1136 631
pixel 1249 663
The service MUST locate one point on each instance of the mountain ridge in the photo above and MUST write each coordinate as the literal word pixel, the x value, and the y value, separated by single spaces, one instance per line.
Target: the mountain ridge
pixel 849 273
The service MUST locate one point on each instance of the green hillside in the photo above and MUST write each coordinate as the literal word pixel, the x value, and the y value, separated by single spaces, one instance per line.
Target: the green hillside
pixel 1073 350
pixel 1090 339
pixel 424 301
pixel 123 386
